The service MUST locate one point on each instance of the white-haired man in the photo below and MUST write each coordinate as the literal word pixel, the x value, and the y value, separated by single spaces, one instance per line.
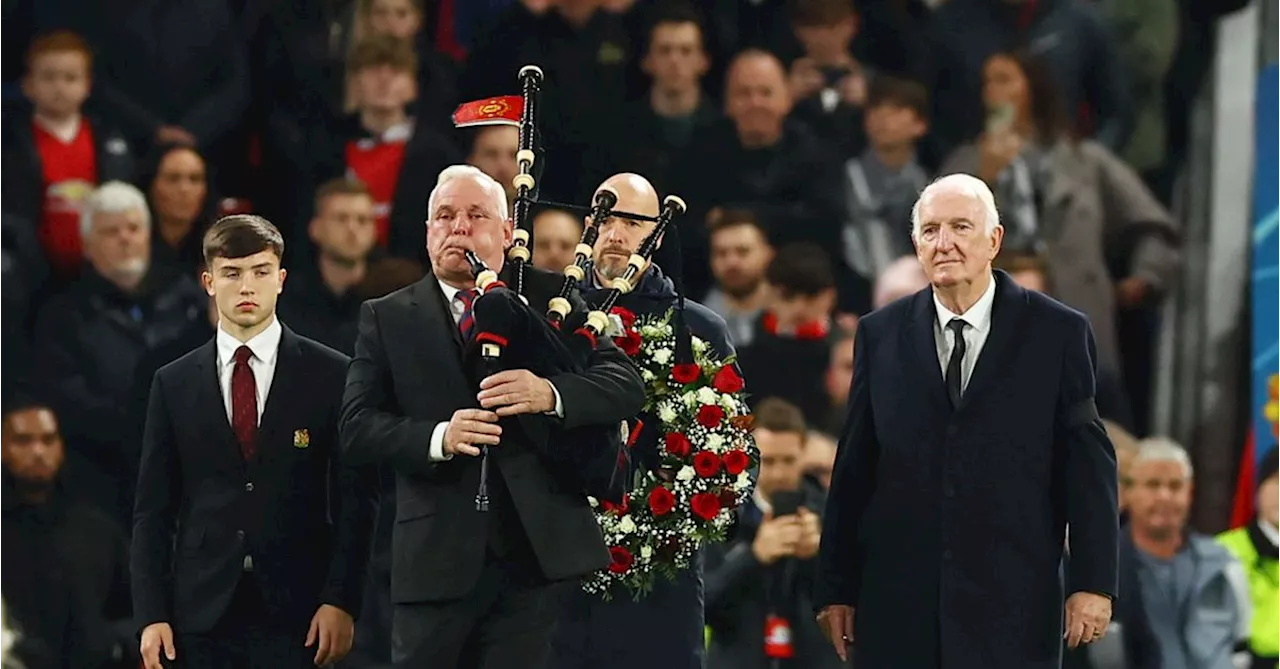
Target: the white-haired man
pixel 89 339
pixel 1194 591
pixel 471 588
pixel 971 441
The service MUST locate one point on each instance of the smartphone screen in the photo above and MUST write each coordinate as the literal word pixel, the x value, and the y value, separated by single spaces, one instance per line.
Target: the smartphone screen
pixel 786 502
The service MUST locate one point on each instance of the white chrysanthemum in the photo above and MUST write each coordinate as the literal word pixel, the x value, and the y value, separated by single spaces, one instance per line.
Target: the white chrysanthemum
pixel 646 551
pixel 626 525
pixel 743 481
pixel 707 396
pixel 686 473
pixel 667 413
pixel 648 376
pixel 690 399
pixel 662 356
pixel 714 441
pixel 729 403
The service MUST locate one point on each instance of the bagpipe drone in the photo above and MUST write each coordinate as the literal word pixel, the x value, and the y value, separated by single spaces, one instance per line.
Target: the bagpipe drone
pixel 511 334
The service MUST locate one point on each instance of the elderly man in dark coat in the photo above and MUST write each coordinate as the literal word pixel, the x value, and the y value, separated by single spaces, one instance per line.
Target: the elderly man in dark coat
pixel 665 628
pixel 971 442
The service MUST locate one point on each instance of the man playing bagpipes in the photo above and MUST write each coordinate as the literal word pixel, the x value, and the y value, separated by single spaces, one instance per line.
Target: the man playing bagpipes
pixel 663 628
pixel 476 584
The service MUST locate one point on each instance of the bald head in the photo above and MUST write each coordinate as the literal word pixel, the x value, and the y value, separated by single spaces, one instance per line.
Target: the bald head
pixel 635 194
pixel 757 98
pixel 620 237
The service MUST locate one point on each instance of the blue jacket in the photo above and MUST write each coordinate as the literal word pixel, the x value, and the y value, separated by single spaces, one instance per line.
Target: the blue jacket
pixel 665 629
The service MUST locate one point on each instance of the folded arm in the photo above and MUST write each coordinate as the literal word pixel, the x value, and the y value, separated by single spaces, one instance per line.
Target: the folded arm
pixel 852 483
pixel 372 427
pixel 154 513
pixel 609 391
pixel 1090 470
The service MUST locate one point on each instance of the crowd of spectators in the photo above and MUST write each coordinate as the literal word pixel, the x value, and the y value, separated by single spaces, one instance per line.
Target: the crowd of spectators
pixel 799 132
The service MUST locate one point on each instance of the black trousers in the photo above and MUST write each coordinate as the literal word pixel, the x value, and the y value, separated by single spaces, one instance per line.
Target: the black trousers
pixel 245 638
pixel 505 621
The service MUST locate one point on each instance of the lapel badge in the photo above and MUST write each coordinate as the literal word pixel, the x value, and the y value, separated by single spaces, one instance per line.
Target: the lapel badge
pixel 301 438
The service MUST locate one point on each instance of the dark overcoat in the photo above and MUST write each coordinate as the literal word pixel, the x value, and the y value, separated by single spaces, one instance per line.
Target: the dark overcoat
pixel 945 527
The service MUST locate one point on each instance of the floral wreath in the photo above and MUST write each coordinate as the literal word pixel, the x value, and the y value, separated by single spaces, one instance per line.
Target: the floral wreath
pixel 705 452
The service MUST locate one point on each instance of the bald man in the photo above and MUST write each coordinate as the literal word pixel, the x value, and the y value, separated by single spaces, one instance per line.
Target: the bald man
pixel 664 629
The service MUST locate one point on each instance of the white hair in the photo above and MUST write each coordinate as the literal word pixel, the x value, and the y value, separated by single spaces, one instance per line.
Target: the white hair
pixel 899 278
pixel 113 197
pixel 486 182
pixel 1163 449
pixel 960 184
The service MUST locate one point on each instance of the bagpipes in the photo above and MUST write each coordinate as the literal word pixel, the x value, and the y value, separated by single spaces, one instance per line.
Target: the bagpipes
pixel 510 334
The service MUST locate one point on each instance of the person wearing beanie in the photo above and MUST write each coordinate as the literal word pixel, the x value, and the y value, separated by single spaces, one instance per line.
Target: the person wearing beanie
pixel 1255 546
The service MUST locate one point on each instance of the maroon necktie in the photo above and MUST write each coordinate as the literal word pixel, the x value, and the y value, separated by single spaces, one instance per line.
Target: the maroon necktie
pixel 244 402
pixel 467 323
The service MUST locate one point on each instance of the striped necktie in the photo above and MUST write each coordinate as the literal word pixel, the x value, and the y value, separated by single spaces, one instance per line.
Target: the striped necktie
pixel 467 323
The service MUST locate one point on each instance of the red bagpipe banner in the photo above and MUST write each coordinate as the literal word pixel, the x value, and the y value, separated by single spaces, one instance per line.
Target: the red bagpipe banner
pixel 503 110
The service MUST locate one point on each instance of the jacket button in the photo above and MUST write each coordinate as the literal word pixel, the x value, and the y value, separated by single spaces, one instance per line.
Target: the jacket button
pixel 248 487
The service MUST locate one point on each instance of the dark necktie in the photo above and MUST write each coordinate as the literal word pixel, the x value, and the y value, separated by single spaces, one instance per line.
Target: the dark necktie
pixel 244 402
pixel 467 323
pixel 954 365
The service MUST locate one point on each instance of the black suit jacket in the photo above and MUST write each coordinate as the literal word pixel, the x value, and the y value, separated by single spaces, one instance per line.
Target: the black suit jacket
pixel 304 517
pixel 945 528
pixel 407 376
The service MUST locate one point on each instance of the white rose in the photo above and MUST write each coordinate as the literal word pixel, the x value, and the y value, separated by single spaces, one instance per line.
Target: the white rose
pixel 714 441
pixel 627 526
pixel 690 399
pixel 729 403
pixel 646 552
pixel 686 473
pixel 707 395
pixel 666 412
pixel 662 356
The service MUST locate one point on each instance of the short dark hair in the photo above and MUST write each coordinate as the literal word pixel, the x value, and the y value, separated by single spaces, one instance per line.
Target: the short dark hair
pixel 778 415
pixel 732 218
pixel 801 268
pixel 383 50
pixel 673 12
pixel 821 12
pixel 340 186
pixel 886 89
pixel 241 235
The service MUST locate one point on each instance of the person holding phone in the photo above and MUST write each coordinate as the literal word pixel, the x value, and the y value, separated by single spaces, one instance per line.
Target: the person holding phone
pixel 759 584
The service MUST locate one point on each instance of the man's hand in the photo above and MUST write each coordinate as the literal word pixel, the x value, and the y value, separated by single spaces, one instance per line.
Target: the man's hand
pixel 333 628
pixel 1088 616
pixel 805 78
pixel 157 638
pixel 172 134
pixel 777 538
pixel 517 391
pixel 469 429
pixel 836 622
pixel 810 534
pixel 853 89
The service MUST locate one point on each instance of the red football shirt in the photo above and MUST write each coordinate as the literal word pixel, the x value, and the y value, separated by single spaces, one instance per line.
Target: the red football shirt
pixel 70 172
pixel 377 162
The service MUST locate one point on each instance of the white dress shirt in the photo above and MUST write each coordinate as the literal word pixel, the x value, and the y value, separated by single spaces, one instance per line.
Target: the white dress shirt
pixel 977 326
pixel 265 346
pixel 436 452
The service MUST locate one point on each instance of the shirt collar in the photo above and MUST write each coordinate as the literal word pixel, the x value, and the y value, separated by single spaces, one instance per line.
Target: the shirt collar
pixel 449 291
pixel 264 345
pixel 978 316
pixel 1269 531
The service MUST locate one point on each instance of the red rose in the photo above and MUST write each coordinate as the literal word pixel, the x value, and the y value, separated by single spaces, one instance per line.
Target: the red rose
pixel 728 498
pixel 621 559
pixel 710 415
pixel 686 373
pixel 735 462
pixel 628 317
pixel 626 504
pixel 705 505
pixel 706 464
pixel 727 380
pixel 678 445
pixel 661 501
pixel 629 342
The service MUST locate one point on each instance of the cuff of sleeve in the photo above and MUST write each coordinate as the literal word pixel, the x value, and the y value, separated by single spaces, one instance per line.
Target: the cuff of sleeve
pixel 437 453
pixel 559 410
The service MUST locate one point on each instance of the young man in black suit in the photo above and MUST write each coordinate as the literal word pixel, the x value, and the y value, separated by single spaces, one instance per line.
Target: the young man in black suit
pixel 972 441
pixel 240 463
pixel 472 588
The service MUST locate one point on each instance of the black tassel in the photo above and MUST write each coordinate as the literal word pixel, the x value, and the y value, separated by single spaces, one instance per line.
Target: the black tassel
pixel 684 339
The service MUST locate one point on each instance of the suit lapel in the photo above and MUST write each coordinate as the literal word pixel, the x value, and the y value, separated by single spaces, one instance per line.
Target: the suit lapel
pixel 283 397
pixel 436 336
pixel 920 333
pixel 1007 314
pixel 210 405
